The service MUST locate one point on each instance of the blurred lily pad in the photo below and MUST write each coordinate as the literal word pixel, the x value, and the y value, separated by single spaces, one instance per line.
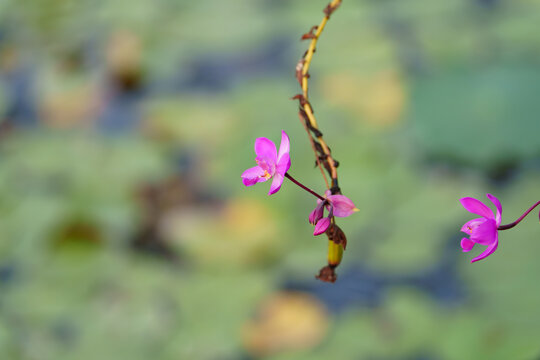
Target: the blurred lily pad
pixel 480 117
pixel 286 321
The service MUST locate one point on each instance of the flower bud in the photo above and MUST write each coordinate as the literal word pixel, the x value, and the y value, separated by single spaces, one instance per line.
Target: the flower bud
pixel 316 214
pixel 321 226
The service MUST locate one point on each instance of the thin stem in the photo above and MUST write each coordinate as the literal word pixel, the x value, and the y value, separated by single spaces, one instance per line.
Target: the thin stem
pixel 511 225
pixel 304 187
pixel 312 143
pixel 311 50
pixel 306 115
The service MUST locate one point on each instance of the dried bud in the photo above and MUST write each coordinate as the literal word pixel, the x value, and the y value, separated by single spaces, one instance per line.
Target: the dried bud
pixel 327 274
pixel 301 99
pixel 309 34
pixel 329 9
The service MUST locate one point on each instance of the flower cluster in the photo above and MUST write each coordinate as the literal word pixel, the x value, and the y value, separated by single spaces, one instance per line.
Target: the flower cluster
pixel 274 164
pixel 337 205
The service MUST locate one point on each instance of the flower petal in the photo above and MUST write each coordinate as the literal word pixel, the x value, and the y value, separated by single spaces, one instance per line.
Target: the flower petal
pixel 265 149
pixel 316 214
pixel 485 233
pixel 322 226
pixel 285 146
pixel 284 164
pixel 276 184
pixel 343 206
pixel 498 205
pixel 490 250
pixel 467 244
pixel 471 224
pixel 476 207
pixel 253 175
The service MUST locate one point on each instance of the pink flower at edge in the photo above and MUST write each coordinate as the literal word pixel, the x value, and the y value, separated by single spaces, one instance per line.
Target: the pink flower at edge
pixel 484 230
pixel 337 205
pixel 270 163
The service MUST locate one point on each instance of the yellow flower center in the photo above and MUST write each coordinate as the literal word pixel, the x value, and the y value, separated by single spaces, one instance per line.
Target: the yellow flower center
pixel 266 175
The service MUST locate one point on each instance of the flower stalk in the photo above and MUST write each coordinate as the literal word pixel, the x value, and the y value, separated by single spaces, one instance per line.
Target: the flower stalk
pixel 274 164
pixel 288 176
pixel 323 156
pixel 485 230
pixel 322 152
pixel 511 225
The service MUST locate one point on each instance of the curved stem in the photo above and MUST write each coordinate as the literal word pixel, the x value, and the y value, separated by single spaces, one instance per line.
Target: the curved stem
pixel 288 176
pixel 322 151
pixel 511 225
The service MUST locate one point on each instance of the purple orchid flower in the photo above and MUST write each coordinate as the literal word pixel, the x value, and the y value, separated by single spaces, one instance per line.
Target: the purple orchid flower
pixel 337 205
pixel 484 230
pixel 270 163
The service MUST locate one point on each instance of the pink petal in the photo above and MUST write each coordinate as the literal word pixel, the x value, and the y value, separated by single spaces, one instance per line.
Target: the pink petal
pixel 284 147
pixel 498 205
pixel 471 224
pixel 265 149
pixel 485 233
pixel 284 164
pixel 490 250
pixel 467 244
pixel 276 184
pixel 343 206
pixel 321 226
pixel 316 214
pixel 476 207
pixel 252 176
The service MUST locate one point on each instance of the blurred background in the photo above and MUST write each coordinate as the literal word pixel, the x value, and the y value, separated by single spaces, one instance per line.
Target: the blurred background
pixel 125 230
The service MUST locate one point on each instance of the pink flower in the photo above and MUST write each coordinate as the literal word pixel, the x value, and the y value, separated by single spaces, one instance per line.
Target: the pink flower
pixel 270 163
pixel 484 230
pixel 337 205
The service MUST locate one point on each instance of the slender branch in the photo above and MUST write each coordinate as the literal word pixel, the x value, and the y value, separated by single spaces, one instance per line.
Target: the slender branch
pixel 312 143
pixel 322 151
pixel 288 176
pixel 511 225
pixel 323 157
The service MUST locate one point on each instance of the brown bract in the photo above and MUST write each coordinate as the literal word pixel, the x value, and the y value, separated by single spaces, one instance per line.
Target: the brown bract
pixel 337 235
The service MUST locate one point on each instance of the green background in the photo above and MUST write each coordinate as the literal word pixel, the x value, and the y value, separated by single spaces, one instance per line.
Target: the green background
pixel 125 230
